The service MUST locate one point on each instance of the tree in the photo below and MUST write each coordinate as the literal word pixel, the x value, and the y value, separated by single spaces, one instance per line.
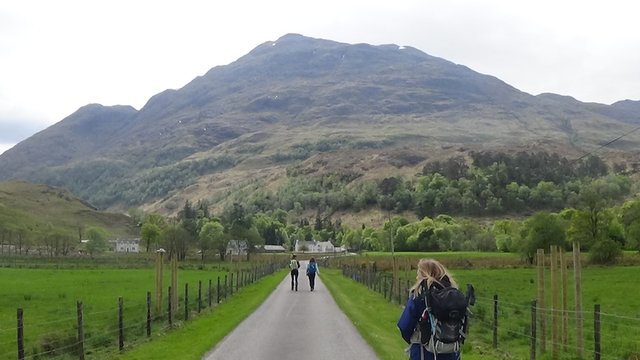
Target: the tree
pixel 97 243
pixel 175 238
pixel 589 222
pixel 211 236
pixel 540 231
pixel 507 234
pixel 630 219
pixel 150 235
pixel 239 225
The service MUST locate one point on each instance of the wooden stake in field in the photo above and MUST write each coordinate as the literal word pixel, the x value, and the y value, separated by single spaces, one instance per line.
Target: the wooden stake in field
pixel 577 274
pixel 565 290
pixel 554 302
pixel 159 266
pixel 174 282
pixel 541 301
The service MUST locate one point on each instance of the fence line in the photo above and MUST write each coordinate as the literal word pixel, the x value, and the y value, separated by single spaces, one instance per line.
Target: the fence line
pixel 520 316
pixel 126 328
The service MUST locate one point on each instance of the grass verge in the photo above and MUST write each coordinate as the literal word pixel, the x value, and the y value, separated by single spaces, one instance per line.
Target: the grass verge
pixel 376 318
pixel 197 337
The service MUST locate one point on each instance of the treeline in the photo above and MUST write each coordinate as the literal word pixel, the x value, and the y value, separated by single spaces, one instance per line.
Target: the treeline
pixel 596 224
pixel 105 182
pixel 492 184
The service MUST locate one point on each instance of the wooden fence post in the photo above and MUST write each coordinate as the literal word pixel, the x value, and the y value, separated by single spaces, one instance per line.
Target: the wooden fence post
pixel 565 299
pixel 555 334
pixel 148 313
pixel 533 331
pixel 541 301
pixel 174 282
pixel 495 321
pixel 120 324
pixel 218 292
pixel 170 307
pixel 596 332
pixel 577 276
pixel 209 293
pixel 80 330
pixel 199 295
pixel 186 301
pixel 20 334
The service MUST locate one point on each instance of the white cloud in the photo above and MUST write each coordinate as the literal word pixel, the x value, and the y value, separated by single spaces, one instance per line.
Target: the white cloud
pixel 60 55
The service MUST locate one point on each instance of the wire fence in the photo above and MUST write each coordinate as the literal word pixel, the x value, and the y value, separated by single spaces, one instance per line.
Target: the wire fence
pixel 514 328
pixel 85 331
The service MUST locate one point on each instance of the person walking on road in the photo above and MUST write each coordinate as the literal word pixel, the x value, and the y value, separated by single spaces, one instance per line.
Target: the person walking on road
pixel 312 270
pixel 294 265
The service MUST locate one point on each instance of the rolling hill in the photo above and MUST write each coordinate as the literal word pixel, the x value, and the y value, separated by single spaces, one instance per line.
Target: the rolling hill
pixel 44 209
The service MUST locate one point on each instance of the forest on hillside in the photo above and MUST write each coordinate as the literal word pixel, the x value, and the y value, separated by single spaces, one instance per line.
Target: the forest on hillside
pixel 539 199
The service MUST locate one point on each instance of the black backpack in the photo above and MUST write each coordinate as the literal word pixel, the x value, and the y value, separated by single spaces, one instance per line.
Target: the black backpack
pixel 445 319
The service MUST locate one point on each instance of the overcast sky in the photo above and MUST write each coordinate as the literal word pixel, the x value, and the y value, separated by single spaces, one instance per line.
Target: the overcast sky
pixel 56 56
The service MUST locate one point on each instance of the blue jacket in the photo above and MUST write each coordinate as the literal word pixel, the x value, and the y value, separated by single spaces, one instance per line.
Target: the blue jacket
pixel 409 319
pixel 407 324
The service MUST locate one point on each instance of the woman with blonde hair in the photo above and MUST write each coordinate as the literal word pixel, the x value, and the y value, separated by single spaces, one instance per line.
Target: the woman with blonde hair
pixel 431 275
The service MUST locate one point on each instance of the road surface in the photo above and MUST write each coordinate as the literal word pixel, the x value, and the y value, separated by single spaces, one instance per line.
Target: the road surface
pixel 295 325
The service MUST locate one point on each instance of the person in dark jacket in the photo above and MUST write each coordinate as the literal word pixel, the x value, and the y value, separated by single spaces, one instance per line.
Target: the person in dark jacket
pixel 312 270
pixel 435 275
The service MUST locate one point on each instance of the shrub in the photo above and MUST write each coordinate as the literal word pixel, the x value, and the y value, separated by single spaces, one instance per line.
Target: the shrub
pixel 605 252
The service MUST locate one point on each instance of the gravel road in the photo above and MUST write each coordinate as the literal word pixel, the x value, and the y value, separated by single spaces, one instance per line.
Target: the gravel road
pixel 295 325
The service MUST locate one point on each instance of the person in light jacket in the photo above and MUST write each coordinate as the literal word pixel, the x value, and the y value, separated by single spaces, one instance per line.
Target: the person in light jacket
pixel 294 265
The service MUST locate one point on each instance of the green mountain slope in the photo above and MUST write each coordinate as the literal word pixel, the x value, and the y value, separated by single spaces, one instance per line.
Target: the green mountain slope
pixel 42 209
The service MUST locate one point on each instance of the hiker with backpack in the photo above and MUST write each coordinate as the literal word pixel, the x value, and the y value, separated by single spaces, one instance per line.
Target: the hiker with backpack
pixel 434 320
pixel 294 265
pixel 312 270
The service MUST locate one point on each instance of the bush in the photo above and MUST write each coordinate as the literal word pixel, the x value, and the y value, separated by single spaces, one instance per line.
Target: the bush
pixel 605 252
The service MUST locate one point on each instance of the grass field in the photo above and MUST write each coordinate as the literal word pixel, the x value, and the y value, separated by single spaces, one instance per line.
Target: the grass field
pixel 48 299
pixel 614 288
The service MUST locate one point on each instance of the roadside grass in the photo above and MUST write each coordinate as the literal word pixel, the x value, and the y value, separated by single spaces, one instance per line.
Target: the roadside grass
pixel 614 288
pixel 376 318
pixel 197 337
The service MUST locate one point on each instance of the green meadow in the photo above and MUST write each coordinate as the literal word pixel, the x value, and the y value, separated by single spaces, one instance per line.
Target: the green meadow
pixel 614 288
pixel 48 298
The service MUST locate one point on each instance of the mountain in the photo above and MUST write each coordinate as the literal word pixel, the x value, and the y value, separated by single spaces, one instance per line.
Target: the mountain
pixel 305 106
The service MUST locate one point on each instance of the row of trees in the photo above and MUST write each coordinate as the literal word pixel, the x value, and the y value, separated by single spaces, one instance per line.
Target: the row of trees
pixel 596 223
pixel 599 227
pixel 52 241
pixel 573 209
pixel 517 184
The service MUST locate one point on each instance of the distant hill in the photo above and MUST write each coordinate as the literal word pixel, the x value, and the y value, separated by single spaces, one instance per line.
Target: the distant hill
pixel 306 106
pixel 45 209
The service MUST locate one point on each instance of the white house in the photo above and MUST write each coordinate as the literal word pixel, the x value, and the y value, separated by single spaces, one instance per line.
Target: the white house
pixel 237 247
pixel 314 246
pixel 127 245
